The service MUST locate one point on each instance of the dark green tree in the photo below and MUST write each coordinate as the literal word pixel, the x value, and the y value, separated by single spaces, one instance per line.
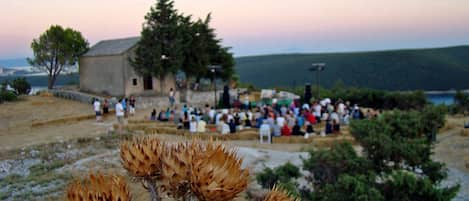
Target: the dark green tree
pixel 56 49
pixel 350 188
pixel 196 56
pixel 21 86
pixel 404 186
pixel 159 52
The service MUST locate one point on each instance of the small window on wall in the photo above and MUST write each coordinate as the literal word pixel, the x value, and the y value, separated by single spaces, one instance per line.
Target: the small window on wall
pixel 134 82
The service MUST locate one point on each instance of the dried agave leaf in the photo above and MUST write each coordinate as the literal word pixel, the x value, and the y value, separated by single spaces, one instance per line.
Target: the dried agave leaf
pixel 99 188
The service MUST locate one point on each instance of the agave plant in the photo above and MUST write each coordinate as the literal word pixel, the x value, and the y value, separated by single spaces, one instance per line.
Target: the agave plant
pixel 142 156
pixel 176 171
pixel 142 159
pixel 217 174
pixel 99 188
pixel 278 195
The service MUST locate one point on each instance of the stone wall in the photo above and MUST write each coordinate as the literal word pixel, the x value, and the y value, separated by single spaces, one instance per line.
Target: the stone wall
pixel 102 75
pixel 192 98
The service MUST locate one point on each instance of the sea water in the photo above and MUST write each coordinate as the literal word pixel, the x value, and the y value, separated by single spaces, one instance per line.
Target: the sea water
pixel 438 99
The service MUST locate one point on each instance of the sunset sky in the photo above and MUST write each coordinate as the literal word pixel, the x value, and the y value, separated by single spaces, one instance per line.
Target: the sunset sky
pixel 253 27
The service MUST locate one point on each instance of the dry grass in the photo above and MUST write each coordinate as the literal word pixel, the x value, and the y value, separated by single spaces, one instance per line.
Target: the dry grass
pixel 465 132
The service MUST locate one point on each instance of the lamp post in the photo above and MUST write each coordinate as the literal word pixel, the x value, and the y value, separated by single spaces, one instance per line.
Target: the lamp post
pixel 317 67
pixel 213 69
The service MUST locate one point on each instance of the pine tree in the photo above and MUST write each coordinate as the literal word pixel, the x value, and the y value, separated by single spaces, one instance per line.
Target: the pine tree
pixel 159 52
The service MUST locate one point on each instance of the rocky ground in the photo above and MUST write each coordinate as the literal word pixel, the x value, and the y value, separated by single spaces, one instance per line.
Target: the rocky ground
pixel 38 163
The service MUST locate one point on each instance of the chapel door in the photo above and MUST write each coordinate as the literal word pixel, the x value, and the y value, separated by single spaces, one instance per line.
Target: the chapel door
pixel 148 83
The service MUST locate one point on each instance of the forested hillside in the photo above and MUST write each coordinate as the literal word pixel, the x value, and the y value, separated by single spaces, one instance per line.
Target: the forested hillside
pixel 423 69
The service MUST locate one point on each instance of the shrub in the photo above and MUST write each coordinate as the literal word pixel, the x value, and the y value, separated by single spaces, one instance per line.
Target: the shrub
pixel 21 86
pixel 280 175
pixel 6 96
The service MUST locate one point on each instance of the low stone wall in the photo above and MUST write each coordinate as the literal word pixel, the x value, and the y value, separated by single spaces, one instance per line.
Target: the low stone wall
pixel 193 98
pixel 200 98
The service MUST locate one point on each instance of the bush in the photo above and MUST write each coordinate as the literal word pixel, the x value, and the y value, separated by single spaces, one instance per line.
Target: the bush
pixel 21 86
pixel 6 96
pixel 327 165
pixel 378 99
pixel 282 174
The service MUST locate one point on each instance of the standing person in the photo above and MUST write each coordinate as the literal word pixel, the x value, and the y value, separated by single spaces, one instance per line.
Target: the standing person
pixel 105 107
pixel 97 110
pixel 124 106
pixel 120 114
pixel 171 97
pixel 132 105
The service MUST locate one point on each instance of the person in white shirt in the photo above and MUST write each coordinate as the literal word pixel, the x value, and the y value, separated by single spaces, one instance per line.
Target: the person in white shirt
pixel 211 114
pixel 225 128
pixel 280 121
pixel 201 126
pixel 97 110
pixel 193 126
pixel 120 114
pixel 317 110
pixel 335 117
pixel 341 108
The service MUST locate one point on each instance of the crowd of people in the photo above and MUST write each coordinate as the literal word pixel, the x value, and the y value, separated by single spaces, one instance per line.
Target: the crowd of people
pixel 275 119
pixel 123 108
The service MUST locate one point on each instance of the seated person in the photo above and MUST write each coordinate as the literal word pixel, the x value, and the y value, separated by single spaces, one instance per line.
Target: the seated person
pixel 162 116
pixel 232 125
pixel 309 128
pixel 185 121
pixel 201 126
pixel 276 130
pixel 247 123
pixel 153 115
pixel 297 130
pixel 225 128
pixel 193 126
pixel 286 130
pixel 335 126
pixel 329 128
pixel 259 122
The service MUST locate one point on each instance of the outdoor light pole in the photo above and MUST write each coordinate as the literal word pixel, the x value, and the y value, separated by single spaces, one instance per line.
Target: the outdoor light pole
pixel 213 69
pixel 318 67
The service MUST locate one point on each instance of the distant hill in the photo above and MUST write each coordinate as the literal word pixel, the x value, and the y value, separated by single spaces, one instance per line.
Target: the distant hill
pixel 8 63
pixel 423 69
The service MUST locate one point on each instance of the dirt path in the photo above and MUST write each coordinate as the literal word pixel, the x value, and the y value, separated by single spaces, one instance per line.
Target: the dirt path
pixel 453 150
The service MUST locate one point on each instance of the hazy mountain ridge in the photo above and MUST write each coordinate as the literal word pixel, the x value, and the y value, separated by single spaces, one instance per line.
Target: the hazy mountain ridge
pixel 426 69
pixel 18 62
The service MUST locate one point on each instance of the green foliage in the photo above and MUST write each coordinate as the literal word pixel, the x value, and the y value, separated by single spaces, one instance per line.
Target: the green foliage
pixel 396 164
pixel 171 42
pixel 21 86
pixel 350 188
pixel 403 186
pixel 398 138
pixel 432 118
pixel 328 165
pixel 461 101
pixel 56 49
pixel 374 98
pixel 424 69
pixel 160 49
pixel 6 95
pixel 280 175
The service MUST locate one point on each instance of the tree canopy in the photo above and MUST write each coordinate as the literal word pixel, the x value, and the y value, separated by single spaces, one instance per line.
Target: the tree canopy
pixel 171 42
pixel 56 49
